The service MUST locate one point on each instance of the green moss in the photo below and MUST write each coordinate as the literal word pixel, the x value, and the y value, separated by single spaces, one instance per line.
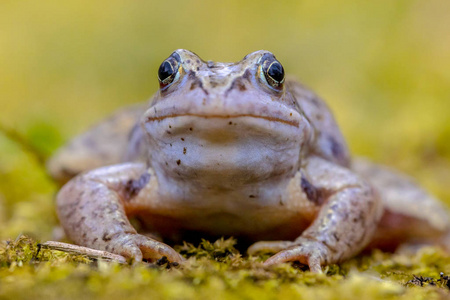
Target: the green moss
pixel 214 270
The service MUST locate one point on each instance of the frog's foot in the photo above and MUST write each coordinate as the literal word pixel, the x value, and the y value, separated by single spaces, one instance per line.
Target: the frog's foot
pixel 137 247
pixel 305 251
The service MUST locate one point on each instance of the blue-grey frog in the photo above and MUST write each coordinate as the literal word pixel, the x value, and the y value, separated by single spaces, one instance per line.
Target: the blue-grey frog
pixel 234 149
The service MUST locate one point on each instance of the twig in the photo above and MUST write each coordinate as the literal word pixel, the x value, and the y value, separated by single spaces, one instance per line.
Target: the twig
pixel 79 250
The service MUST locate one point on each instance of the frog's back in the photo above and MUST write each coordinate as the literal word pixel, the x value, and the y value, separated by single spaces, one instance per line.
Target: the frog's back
pixel 104 144
pixel 329 142
pixel 411 214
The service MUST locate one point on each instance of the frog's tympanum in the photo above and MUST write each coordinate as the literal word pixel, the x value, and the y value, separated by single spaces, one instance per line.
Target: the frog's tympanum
pixel 234 149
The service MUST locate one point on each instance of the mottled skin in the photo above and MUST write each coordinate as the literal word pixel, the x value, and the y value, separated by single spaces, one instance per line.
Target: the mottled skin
pixel 223 149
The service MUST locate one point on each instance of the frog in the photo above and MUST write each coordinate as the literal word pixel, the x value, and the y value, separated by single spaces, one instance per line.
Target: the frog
pixel 234 149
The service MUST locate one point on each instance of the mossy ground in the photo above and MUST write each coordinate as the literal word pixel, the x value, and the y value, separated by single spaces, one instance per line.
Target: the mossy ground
pixel 216 271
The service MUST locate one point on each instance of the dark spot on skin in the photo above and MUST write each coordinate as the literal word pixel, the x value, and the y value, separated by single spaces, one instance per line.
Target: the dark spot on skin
pixel 336 237
pixel 106 237
pixel 312 193
pixel 198 68
pixel 290 114
pixel 336 149
pixel 247 74
pixel 167 163
pixel 184 150
pixel 230 123
pixel 75 203
pixel 134 186
pixel 190 129
pixel 359 218
pixel 196 83
pixel 197 61
pixel 170 126
pixel 178 162
pixel 84 235
pixel 168 132
pixel 93 192
pixel 237 83
pixel 188 61
pixel 251 196
pixel 315 101
pixel 182 139
pixel 170 145
pixel 94 240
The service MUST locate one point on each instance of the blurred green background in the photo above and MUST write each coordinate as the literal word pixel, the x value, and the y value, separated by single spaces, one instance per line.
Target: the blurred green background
pixel 383 67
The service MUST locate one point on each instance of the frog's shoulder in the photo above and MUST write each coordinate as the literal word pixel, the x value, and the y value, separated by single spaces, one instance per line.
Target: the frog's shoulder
pixel 329 142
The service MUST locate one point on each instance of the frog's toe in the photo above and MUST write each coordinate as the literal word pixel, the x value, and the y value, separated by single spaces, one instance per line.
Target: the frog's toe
pixel 153 250
pixel 269 246
pixel 137 247
pixel 311 253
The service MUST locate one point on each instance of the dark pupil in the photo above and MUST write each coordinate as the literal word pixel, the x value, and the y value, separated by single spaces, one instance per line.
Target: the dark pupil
pixel 276 72
pixel 165 70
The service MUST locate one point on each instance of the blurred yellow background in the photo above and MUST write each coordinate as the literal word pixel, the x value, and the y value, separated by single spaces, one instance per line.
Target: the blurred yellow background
pixel 383 67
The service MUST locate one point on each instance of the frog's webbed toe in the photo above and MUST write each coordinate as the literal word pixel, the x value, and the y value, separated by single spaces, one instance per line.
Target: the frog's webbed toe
pixel 305 251
pixel 138 247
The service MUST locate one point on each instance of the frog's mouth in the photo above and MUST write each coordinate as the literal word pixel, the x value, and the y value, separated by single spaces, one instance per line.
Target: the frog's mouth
pixel 293 123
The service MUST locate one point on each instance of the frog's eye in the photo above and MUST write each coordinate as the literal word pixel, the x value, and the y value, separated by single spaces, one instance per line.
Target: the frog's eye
pixel 273 71
pixel 168 70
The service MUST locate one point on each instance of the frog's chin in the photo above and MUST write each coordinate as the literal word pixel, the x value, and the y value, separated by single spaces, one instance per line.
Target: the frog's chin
pixel 225 151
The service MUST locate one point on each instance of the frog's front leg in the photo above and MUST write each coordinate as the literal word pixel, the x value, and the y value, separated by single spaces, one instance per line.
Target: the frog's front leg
pixel 346 221
pixel 93 211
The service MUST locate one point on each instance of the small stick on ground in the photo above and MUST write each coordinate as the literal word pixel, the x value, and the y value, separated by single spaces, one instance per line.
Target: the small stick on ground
pixel 79 250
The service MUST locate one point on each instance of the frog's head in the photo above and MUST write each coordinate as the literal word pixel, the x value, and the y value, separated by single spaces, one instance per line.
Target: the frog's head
pixel 225 123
